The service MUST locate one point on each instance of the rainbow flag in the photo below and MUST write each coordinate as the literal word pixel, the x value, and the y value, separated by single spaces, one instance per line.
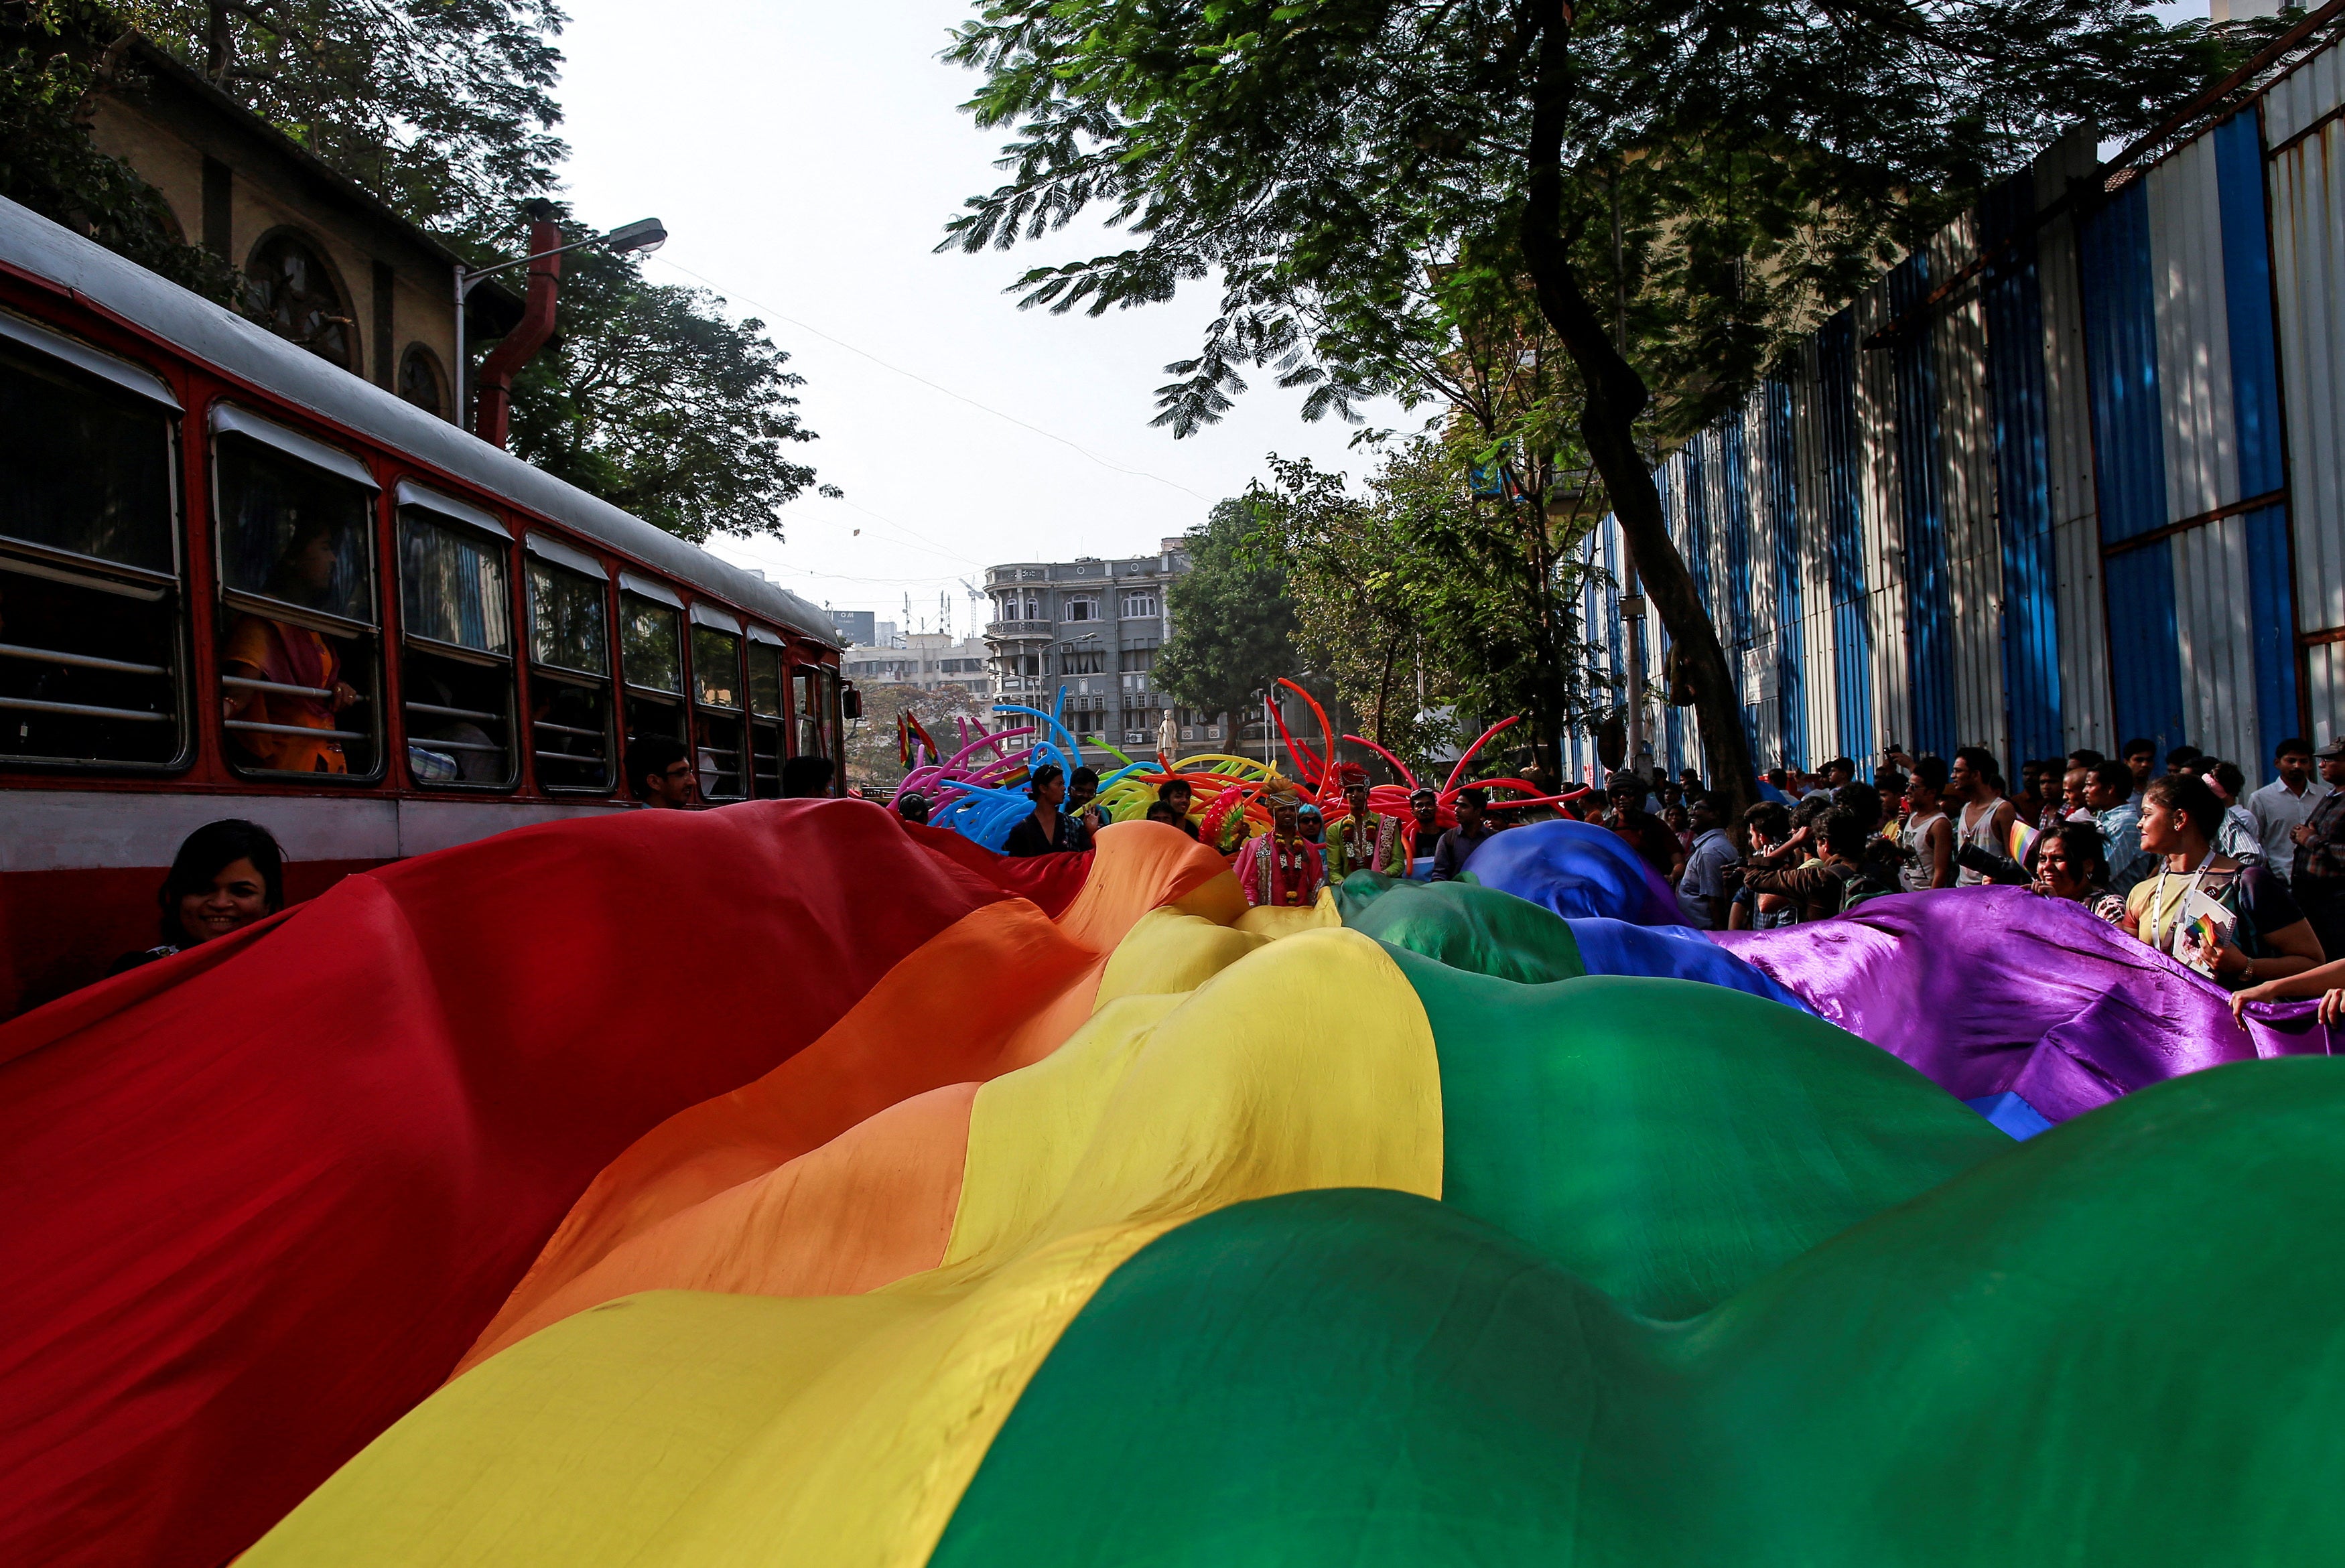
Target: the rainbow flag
pixel 2206 932
pixel 2022 841
pixel 911 1207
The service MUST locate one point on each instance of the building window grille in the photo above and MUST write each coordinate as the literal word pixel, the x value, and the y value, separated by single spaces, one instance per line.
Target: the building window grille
pixel 294 294
pixel 419 381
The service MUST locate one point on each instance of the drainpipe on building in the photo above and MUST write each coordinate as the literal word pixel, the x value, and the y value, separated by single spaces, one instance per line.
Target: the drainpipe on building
pixel 492 412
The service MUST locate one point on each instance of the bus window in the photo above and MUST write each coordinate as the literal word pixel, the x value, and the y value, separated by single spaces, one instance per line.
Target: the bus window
pixel 651 657
pixel 831 713
pixel 717 707
pixel 294 520
pixel 456 673
pixel 90 637
pixel 805 739
pixel 570 677
pixel 764 713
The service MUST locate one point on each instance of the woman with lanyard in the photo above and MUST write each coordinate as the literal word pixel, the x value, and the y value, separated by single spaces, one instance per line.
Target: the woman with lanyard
pixel 2268 937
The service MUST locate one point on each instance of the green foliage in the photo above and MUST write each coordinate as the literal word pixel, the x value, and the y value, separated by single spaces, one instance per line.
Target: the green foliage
pixel 443 107
pixel 651 397
pixel 872 755
pixel 1354 573
pixel 1684 188
pixel 1417 574
pixel 52 59
pixel 1233 622
pixel 1352 171
pixel 654 400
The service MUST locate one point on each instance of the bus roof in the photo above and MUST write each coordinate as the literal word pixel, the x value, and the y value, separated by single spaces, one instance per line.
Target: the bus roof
pixel 222 339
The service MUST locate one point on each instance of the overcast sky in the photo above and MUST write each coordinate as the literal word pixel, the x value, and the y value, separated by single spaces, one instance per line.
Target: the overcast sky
pixel 805 158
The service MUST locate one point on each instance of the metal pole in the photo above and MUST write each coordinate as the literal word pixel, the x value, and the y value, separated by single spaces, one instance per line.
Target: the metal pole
pixel 1636 737
pixel 466 280
pixel 459 345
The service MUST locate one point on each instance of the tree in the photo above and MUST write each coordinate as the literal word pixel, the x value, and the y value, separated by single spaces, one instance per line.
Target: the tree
pixel 1350 169
pixel 1233 623
pixel 652 398
pixel 1419 575
pixel 1352 568
pixel 656 402
pixel 54 61
pixel 873 759
pixel 445 108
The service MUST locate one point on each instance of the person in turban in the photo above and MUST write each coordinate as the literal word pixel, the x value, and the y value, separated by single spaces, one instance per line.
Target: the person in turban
pixel 1282 867
pixel 1361 839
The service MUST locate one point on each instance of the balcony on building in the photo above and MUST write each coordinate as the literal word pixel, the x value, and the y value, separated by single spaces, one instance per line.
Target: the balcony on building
pixel 1020 630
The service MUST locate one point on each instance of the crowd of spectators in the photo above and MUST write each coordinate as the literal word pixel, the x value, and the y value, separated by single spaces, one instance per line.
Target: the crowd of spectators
pixel 2248 886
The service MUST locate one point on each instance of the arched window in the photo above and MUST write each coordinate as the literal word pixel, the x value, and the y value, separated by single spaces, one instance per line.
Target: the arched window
pixel 295 295
pixel 419 380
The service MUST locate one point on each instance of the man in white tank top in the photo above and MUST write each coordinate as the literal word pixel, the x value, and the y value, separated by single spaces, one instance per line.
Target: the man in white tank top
pixel 1928 838
pixel 1986 815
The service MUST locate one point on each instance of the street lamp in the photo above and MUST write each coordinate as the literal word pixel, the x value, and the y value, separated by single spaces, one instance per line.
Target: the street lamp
pixel 1072 644
pixel 645 234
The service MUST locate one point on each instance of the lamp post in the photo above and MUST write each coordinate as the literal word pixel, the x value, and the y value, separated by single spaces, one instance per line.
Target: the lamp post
pixel 645 234
pixel 1075 645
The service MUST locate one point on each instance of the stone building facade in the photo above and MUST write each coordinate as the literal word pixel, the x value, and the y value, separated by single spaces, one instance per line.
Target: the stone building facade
pixel 929 661
pixel 329 264
pixel 1093 625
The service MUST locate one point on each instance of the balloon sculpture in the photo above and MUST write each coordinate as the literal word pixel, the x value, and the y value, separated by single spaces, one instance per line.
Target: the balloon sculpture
pixel 982 797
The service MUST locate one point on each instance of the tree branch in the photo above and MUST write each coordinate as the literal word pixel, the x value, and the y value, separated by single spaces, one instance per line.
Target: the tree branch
pixel 1614 396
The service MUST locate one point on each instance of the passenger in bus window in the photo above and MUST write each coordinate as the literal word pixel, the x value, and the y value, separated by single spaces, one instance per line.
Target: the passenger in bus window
pixel 227 874
pixel 260 649
pixel 659 772
pixel 806 776
pixel 474 758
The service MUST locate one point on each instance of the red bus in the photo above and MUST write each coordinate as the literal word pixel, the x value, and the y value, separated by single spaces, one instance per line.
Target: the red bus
pixel 237 580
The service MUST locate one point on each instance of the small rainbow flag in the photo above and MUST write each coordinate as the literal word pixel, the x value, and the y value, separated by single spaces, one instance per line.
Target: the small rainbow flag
pixel 2205 932
pixel 2023 840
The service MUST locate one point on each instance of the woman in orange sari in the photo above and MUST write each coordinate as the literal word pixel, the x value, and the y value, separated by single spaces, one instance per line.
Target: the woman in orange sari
pixel 260 649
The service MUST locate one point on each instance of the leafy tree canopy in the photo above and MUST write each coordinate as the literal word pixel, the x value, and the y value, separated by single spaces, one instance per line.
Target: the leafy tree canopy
pixel 1233 622
pixel 1415 578
pixel 1683 186
pixel 53 64
pixel 1353 171
pixel 654 399
pixel 443 107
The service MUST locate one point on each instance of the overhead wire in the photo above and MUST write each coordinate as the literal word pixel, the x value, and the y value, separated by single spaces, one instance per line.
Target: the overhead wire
pixel 933 385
